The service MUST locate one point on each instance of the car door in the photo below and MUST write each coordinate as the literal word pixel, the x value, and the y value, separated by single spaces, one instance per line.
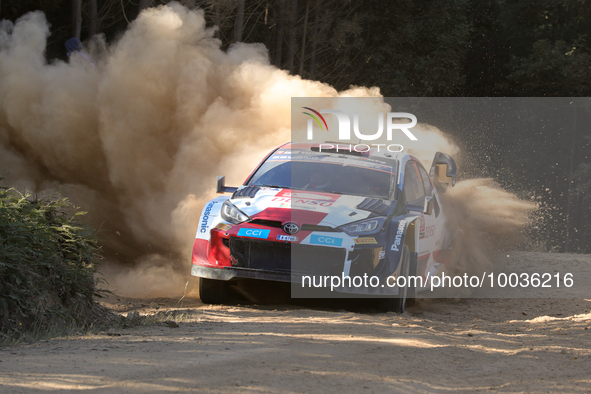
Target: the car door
pixel 418 188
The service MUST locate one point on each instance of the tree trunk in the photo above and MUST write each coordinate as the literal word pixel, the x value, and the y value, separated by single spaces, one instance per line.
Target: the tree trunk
pixel 303 51
pixel 216 18
pixel 76 18
pixel 239 22
pixel 314 40
pixel 280 32
pixel 291 41
pixel 93 23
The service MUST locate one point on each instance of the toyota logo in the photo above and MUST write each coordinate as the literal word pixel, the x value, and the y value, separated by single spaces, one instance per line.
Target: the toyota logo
pixel 291 228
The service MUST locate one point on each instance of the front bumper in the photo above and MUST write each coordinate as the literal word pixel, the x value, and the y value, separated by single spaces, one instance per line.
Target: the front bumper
pixel 228 274
pixel 238 273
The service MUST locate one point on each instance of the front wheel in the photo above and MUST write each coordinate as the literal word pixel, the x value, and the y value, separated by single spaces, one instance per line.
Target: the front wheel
pixel 212 291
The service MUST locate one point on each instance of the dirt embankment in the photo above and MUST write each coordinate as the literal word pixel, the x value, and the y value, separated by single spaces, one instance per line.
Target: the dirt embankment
pixel 471 345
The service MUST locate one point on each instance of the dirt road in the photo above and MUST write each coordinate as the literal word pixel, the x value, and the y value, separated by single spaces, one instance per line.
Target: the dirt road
pixel 472 345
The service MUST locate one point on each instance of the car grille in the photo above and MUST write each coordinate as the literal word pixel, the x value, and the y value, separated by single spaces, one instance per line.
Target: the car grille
pixel 283 257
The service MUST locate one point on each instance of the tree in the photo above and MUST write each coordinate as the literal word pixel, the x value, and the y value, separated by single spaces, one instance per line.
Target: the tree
pixel 291 36
pixel 280 29
pixel 76 18
pixel 305 31
pixel 93 17
pixel 239 24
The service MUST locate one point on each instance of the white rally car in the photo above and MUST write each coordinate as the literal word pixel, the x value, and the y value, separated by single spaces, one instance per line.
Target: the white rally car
pixel 320 209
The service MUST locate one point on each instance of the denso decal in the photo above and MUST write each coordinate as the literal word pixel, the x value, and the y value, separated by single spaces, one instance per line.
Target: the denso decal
pixel 290 238
pixel 312 202
pixel 365 241
pixel 324 240
pixel 399 233
pixel 253 233
pixel 205 217
pixel 307 195
pixel 281 199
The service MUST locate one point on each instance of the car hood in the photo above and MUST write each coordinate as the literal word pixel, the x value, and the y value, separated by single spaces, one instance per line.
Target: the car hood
pixel 300 206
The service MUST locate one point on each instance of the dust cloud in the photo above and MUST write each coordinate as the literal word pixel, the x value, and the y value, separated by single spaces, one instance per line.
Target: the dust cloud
pixel 136 135
pixel 487 219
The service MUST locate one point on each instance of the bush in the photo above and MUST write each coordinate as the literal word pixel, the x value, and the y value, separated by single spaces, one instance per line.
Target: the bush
pixel 47 264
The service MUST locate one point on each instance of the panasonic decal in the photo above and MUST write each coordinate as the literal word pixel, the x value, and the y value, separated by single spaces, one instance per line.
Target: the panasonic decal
pixel 398 239
pixel 205 217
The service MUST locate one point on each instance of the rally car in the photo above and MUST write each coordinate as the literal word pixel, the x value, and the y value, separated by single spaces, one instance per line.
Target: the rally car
pixel 320 210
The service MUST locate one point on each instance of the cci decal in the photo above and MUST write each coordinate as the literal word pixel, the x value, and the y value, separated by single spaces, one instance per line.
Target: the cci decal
pixel 253 233
pixel 324 240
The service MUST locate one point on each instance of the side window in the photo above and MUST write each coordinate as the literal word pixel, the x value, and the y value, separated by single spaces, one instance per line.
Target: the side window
pixel 413 185
pixel 426 182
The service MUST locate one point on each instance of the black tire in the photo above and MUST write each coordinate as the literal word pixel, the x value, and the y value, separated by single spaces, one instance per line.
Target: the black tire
pixel 212 291
pixel 412 271
pixel 398 304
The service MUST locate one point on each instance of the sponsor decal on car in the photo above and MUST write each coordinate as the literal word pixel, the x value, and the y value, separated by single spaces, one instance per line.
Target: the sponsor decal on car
pixel 422 227
pixel 429 231
pixel 365 241
pixel 426 231
pixel 289 238
pixel 286 193
pixel 223 226
pixel 253 233
pixel 324 240
pixel 398 239
pixel 205 218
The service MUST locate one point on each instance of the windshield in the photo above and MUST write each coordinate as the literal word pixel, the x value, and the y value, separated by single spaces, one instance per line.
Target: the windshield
pixel 328 173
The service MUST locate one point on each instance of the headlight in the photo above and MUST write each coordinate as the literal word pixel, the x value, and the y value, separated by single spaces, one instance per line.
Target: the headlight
pixel 365 226
pixel 232 214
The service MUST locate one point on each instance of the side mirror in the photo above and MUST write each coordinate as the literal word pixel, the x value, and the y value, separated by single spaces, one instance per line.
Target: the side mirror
pixel 428 207
pixel 221 186
pixel 443 171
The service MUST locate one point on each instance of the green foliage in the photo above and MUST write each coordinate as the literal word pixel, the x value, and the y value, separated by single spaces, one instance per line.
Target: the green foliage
pixel 413 49
pixel 552 69
pixel 46 264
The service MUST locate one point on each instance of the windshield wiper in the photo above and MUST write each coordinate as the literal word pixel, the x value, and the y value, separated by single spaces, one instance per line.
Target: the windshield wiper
pixel 274 186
